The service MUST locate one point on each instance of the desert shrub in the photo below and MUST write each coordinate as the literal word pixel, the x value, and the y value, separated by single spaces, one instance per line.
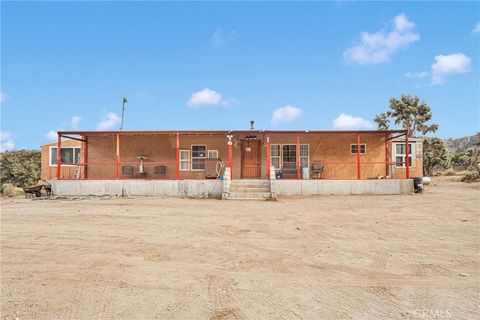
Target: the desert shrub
pixel 434 155
pixel 20 168
pixel 470 177
pixel 9 190
pixel 449 172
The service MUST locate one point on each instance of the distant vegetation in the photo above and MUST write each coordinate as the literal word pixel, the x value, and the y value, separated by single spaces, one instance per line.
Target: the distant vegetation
pixel 409 112
pixel 454 156
pixel 19 168
pixel 461 144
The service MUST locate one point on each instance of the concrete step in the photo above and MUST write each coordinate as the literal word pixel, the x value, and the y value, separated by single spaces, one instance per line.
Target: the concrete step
pixel 250 182
pixel 249 189
pixel 248 198
pixel 251 194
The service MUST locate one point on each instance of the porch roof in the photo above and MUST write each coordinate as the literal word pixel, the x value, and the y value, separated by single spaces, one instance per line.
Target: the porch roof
pixel 223 132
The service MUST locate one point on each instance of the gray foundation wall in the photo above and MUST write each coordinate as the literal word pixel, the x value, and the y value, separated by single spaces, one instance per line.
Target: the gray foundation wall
pixel 339 187
pixel 214 188
pixel 165 188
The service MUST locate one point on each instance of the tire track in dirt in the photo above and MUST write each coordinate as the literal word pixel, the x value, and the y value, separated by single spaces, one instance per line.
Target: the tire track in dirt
pixel 380 260
pixel 221 299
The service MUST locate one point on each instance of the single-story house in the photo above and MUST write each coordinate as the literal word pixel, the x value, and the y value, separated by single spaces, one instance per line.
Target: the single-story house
pixel 119 156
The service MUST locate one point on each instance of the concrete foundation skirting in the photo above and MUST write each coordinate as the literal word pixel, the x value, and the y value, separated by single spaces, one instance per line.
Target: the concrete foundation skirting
pixel 164 188
pixel 339 187
pixel 214 189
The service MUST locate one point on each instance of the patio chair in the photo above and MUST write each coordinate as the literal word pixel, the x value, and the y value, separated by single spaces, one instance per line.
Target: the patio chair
pixel 160 172
pixel 127 171
pixel 317 170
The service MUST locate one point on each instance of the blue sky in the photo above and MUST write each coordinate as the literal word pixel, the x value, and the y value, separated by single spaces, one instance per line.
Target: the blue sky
pixel 212 65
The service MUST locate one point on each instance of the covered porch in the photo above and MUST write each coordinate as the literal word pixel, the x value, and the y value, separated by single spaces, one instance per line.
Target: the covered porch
pixel 252 154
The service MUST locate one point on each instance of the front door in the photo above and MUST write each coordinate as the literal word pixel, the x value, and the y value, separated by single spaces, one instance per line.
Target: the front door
pixel 251 159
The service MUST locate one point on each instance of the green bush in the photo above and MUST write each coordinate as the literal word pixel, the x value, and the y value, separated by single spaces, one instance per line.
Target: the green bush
pixel 20 168
pixel 470 177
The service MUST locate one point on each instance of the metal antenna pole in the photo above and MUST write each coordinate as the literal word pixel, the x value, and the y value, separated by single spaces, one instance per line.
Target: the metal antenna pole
pixel 123 111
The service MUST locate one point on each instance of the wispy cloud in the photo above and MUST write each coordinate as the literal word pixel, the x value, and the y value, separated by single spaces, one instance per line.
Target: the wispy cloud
pixel 348 122
pixel 109 121
pixel 7 142
pixel 285 114
pixel 140 94
pixel 76 121
pixel 210 98
pixel 378 47
pixel 444 66
pixel 51 136
pixel 417 75
pixel 219 39
pixel 229 103
pixel 477 28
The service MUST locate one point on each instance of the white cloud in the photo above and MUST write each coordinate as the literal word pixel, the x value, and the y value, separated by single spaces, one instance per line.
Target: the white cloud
pixel 477 28
pixel 220 40
pixel 109 121
pixel 51 136
pixel 6 141
pixel 348 122
pixel 76 121
pixel 401 23
pixel 229 103
pixel 378 47
pixel 208 98
pixel 205 97
pixel 445 65
pixel 417 75
pixel 285 114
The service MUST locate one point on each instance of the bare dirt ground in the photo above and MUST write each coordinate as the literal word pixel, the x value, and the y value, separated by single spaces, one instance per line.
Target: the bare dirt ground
pixel 325 257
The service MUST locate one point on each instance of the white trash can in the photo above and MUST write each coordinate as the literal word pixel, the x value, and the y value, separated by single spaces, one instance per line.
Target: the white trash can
pixel 305 173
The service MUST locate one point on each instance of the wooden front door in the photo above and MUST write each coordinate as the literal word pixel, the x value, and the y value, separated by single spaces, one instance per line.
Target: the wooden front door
pixel 251 159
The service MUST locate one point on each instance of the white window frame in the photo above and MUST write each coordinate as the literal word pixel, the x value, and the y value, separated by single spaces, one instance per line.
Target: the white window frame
pixel 411 150
pixel 67 165
pixel 213 151
pixel 187 160
pixel 191 156
pixel 279 157
pixel 296 154
pixel 307 157
pixel 361 144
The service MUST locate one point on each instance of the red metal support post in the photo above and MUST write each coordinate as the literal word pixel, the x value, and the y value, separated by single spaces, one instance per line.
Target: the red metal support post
pixel 177 170
pixel 118 156
pixel 59 155
pixel 359 175
pixel 407 156
pixel 298 157
pixel 85 158
pixel 230 156
pixel 387 157
pixel 268 157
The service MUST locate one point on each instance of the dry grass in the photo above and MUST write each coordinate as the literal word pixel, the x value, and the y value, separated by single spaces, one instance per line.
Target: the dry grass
pixel 330 257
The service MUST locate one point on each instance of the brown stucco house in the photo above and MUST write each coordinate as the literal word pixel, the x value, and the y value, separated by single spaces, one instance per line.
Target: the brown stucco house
pixel 250 155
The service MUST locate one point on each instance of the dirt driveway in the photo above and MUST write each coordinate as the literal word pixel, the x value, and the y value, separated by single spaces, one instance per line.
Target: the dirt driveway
pixel 325 257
